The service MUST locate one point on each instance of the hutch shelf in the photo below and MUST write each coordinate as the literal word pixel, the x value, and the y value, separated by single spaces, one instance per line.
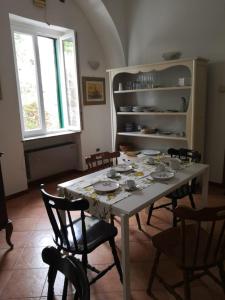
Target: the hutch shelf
pixel 168 99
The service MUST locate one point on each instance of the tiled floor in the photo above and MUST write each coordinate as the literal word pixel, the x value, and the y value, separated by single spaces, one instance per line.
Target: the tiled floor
pixel 23 274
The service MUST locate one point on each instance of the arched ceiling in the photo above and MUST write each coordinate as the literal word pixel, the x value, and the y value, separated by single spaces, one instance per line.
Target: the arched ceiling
pixel 106 31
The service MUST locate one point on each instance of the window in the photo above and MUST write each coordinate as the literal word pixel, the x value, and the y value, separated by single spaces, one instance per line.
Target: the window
pixel 46 79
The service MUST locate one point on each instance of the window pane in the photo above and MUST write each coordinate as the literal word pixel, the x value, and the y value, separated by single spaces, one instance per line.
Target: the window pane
pixel 71 83
pixel 49 82
pixel 26 65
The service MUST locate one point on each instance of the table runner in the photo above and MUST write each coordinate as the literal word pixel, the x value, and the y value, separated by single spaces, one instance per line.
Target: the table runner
pixel 100 204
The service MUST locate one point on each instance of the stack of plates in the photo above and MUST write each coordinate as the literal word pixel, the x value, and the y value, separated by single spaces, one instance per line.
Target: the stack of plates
pixel 137 108
pixel 125 108
pixel 129 127
pixel 151 152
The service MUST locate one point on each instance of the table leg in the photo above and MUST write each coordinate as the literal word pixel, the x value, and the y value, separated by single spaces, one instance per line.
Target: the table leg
pixel 205 184
pixel 125 256
pixel 8 233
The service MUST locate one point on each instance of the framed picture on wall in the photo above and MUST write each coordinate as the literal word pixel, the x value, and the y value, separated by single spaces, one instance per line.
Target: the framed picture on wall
pixel 93 90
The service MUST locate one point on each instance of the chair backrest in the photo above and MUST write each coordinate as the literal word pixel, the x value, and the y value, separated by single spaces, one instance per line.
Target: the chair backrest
pixel 187 155
pixel 203 242
pixel 72 269
pixel 58 210
pixel 101 160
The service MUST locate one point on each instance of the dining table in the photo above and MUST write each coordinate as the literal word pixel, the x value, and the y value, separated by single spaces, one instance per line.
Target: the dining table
pixel 125 203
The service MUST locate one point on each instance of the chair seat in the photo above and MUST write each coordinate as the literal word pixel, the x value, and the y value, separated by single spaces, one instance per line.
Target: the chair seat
pixel 169 242
pixel 181 192
pixel 97 232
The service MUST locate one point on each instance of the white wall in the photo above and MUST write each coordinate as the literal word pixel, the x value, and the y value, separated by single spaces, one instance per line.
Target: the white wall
pixel 66 15
pixel 196 28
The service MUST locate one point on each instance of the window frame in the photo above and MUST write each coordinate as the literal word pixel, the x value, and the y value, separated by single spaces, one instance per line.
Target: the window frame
pixel 58 36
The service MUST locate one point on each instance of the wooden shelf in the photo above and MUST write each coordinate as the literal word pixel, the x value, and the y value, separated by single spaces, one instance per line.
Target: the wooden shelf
pixel 172 88
pixel 154 136
pixel 152 113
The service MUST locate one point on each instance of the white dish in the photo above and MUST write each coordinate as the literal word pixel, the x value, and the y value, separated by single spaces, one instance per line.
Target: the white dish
pixel 113 176
pixel 162 175
pixel 106 186
pixel 151 152
pixel 135 188
pixel 123 168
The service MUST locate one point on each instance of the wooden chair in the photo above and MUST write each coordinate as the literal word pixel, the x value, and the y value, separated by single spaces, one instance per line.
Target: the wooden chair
pixel 71 268
pixel 187 189
pixel 80 236
pixel 104 160
pixel 101 160
pixel 194 248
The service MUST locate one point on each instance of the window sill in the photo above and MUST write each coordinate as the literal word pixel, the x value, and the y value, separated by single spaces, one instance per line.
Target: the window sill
pixel 37 137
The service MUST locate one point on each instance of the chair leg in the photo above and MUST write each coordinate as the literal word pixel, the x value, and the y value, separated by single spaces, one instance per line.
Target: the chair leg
pixel 174 205
pixel 84 262
pixel 64 295
pixel 222 275
pixel 192 201
pixel 112 219
pixel 150 213
pixel 153 272
pixel 116 258
pixel 187 290
pixel 52 272
pixel 138 221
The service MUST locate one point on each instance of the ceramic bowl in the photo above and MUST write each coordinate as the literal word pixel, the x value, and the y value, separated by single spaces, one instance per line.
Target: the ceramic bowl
pixel 171 55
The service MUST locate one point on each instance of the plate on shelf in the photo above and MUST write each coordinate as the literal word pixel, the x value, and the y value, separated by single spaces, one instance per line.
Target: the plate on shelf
pixel 162 175
pixel 106 186
pixel 123 168
pixel 151 152
pixel 165 132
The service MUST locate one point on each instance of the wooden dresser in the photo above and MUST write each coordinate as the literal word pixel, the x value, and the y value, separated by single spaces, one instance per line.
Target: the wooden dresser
pixel 5 223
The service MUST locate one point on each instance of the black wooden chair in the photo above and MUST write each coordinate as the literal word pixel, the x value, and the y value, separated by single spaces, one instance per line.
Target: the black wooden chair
pixel 101 160
pixel 73 271
pixel 104 160
pixel 195 247
pixel 187 189
pixel 80 236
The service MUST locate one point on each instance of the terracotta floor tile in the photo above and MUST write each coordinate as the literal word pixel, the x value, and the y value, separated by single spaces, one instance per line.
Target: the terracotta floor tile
pixel 40 239
pixel 42 224
pixel 30 258
pixel 8 258
pixel 107 296
pixel 18 239
pixel 139 251
pixel 108 283
pixel 158 294
pixel 25 283
pixel 24 224
pixel 102 255
pixel 139 275
pixel 4 278
pixel 37 212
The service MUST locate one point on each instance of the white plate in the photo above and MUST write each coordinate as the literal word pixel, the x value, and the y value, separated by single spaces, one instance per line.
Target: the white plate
pixel 106 186
pixel 114 176
pixel 123 168
pixel 135 188
pixel 151 152
pixel 162 175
